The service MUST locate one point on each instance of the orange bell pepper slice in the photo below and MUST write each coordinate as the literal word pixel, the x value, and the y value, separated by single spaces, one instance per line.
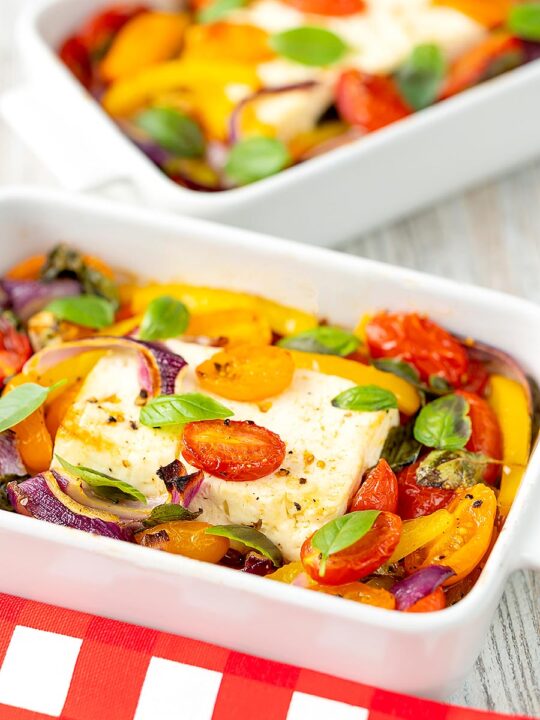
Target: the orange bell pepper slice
pixel 30 268
pixel 227 42
pixel 489 13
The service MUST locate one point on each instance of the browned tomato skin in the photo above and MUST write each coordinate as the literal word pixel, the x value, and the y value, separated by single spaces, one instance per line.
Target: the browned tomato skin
pixel 369 102
pixel 379 490
pixel 416 501
pixel 360 559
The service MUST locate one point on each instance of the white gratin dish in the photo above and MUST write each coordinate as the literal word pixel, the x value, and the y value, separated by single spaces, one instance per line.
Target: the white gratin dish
pixel 337 196
pixel 426 654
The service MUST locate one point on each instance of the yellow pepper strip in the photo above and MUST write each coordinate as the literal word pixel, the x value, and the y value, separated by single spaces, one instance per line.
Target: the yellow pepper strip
pixel 57 408
pixel 238 327
pixel 287 573
pixel 147 39
pixel 508 400
pixel 407 396
pixel 126 96
pixel 360 329
pixel 228 42
pixel 418 532
pixel 306 141
pixel 122 328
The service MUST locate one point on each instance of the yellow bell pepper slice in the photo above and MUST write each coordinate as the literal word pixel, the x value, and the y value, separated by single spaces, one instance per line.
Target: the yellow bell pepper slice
pixel 509 402
pixel 419 532
pixel 407 396
pixel 227 42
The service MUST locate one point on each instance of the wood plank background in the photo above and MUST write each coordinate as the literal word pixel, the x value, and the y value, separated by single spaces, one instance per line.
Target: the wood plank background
pixel 489 236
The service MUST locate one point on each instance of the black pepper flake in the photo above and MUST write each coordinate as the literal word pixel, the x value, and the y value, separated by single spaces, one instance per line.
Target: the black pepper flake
pixel 250 422
pixel 133 425
pixel 111 419
pixel 469 496
pixel 290 452
pixel 297 506
pixel 227 422
pixel 143 394
pixel 302 481
pixel 477 503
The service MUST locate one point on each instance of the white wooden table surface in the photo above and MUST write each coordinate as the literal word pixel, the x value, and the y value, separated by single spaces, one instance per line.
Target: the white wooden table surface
pixel 489 236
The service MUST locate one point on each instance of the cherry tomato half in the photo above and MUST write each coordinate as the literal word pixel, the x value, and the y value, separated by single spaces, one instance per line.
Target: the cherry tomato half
pixel 477 377
pixel 232 450
pixel 15 349
pixel 419 341
pixel 186 538
pixel 75 56
pixel 432 602
pixel 360 559
pixel 328 7
pixel 415 500
pixel 486 436
pixel 379 490
pixel 369 101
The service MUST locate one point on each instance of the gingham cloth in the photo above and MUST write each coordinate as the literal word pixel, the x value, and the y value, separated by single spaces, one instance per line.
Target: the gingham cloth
pixel 65 664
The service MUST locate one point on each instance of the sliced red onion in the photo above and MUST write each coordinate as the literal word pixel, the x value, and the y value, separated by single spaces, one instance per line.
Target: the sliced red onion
pixel 420 584
pixel 41 497
pixel 169 363
pixel 257 564
pixel 28 297
pixel 11 464
pixel 234 120
pixel 182 486
pixel 531 50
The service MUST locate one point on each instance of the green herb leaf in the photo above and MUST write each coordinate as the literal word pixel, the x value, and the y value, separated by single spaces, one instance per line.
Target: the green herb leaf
pixel 401 448
pixel 218 10
pixel 255 158
pixel 251 538
pixel 341 533
pixel 444 423
pixel 420 77
pixel 164 318
pixel 524 21
pixel 169 512
pixel 309 46
pixel 22 401
pixel 89 311
pixel 167 410
pixel 323 339
pixel 451 469
pixel 439 386
pixel 367 398
pixel 401 369
pixel 99 480
pixel 172 130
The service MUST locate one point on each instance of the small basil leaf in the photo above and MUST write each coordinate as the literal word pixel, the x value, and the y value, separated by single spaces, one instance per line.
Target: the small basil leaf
pixel 341 533
pixel 251 538
pixel 218 10
pixel 309 46
pixel 367 398
pixel 167 410
pixel 172 130
pixel 401 448
pixel 524 21
pixel 19 403
pixel 164 318
pixel 401 369
pixel 323 339
pixel 444 423
pixel 88 311
pixel 99 480
pixel 255 158
pixel 451 469
pixel 420 77
pixel 169 513
pixel 439 386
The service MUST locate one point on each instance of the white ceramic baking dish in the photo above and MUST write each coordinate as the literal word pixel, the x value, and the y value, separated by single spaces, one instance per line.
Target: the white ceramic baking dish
pixel 484 131
pixel 422 654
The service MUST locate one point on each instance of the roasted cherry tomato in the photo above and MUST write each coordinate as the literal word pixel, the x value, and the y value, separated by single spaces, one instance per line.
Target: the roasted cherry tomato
pixel 186 538
pixel 327 7
pixel 379 490
pixel 415 500
pixel 434 601
pixel 358 560
pixel 419 341
pixel 369 101
pixel 486 437
pixel 477 378
pixel 75 56
pixel 14 349
pixel 248 373
pixel 98 32
pixel 467 540
pixel 478 63
pixel 232 450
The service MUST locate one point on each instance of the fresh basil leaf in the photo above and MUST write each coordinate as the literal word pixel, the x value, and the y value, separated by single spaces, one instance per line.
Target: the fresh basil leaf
pixel 439 386
pixel 99 480
pixel 169 512
pixel 323 339
pixel 341 533
pixel 419 79
pixel 164 318
pixel 367 398
pixel 19 403
pixel 451 469
pixel 524 21
pixel 218 10
pixel 89 311
pixel 255 158
pixel 444 423
pixel 401 448
pixel 400 368
pixel 167 410
pixel 309 46
pixel 251 538
pixel 172 130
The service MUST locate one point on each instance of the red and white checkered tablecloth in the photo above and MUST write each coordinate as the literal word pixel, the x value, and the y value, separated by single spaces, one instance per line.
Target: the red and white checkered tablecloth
pixel 65 664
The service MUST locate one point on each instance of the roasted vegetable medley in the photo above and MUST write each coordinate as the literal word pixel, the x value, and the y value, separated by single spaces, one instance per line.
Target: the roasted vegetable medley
pixel 376 464
pixel 228 92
